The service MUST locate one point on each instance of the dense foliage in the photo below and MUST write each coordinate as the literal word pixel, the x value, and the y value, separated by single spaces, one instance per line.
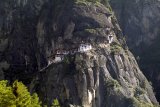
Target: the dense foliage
pixel 17 95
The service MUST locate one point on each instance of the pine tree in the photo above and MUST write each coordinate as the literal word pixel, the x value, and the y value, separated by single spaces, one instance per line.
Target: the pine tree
pixel 7 98
pixel 17 95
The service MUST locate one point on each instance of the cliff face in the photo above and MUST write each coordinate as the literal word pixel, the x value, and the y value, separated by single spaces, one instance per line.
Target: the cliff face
pixel 19 50
pixel 106 76
pixel 139 21
pixel 140 24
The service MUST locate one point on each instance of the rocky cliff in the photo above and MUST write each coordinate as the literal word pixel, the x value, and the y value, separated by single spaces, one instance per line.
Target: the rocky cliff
pixel 105 76
pixel 139 20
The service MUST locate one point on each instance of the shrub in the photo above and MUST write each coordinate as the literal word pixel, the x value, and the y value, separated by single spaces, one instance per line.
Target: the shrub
pixel 115 48
pixel 112 83
pixel 55 103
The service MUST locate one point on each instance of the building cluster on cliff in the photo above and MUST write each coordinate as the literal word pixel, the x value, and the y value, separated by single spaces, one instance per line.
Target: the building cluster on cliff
pixel 80 48
pixel 61 53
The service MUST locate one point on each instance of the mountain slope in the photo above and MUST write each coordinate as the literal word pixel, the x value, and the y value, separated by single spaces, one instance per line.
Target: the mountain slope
pixel 105 76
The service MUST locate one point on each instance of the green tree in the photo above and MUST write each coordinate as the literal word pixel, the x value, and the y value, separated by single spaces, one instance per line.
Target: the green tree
pixel 17 95
pixel 55 103
pixel 7 98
